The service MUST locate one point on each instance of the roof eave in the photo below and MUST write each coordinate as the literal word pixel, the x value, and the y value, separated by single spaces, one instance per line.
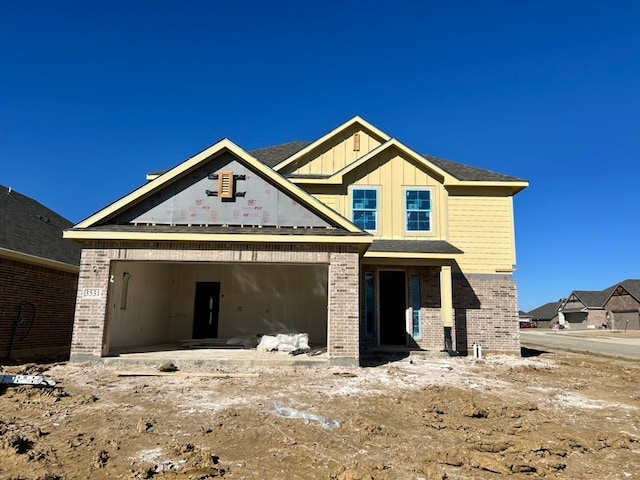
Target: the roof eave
pixel 515 186
pixel 412 255
pixel 92 235
pixel 40 261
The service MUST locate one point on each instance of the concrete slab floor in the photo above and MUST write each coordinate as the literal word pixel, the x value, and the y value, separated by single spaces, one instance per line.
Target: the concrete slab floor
pixel 212 357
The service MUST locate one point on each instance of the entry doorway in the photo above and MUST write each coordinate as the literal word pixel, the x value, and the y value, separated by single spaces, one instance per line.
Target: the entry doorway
pixel 392 291
pixel 205 312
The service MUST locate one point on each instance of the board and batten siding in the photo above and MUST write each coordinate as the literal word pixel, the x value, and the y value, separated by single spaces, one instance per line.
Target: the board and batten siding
pixel 393 174
pixel 483 228
pixel 338 154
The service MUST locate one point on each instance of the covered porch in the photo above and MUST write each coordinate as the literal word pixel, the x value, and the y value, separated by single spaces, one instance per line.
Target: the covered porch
pixel 407 296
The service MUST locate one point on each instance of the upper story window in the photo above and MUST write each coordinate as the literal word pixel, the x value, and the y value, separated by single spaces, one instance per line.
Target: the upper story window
pixel 364 208
pixel 418 210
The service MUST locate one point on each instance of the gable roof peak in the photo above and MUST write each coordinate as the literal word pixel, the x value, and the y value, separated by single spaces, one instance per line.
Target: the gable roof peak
pixel 194 162
pixel 336 131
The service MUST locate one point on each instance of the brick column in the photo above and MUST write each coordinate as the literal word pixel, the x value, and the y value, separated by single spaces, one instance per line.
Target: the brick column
pixel 343 316
pixel 88 325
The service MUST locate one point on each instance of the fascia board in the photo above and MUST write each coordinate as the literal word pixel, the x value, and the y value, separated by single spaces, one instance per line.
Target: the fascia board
pixel 40 261
pixel 155 185
pixel 516 186
pixel 332 133
pixel 444 256
pixel 208 237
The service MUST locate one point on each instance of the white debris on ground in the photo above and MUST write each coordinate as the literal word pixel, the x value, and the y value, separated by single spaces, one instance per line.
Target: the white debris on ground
pixel 284 342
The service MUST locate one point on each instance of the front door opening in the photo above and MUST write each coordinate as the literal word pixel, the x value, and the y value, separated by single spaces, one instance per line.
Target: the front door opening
pixel 205 313
pixel 393 306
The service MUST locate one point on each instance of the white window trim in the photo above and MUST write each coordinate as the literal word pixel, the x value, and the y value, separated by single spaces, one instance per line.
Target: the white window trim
pixel 378 190
pixel 418 233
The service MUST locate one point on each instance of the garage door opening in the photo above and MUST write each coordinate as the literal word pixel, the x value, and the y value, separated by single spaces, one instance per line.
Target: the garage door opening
pixel 174 305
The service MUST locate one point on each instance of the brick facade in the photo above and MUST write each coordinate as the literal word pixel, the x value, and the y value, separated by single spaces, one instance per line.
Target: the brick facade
pixel 343 261
pixel 486 312
pixel 47 297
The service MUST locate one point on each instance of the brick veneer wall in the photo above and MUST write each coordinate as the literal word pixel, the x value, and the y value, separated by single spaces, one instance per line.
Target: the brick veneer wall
pixel 46 328
pixel 596 318
pixel 486 312
pixel 343 261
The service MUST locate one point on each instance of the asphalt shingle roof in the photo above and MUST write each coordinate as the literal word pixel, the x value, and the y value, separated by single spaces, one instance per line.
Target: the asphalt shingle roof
pixel 468 173
pixel 591 298
pixel 414 246
pixel 28 227
pixel 545 312
pixel 272 156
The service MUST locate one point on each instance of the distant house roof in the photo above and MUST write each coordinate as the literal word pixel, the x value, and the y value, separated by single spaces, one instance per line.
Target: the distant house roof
pixel 598 298
pixel 545 312
pixel 30 228
pixel 272 156
pixel 592 298
pixel 632 286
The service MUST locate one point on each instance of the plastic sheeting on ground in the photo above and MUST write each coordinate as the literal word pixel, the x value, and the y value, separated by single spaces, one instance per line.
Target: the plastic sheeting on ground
pixel 287 412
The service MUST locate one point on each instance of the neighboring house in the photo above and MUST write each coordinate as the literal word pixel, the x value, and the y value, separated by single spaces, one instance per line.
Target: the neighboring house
pixel 38 279
pixel 583 309
pixel 355 239
pixel 622 307
pixel 616 307
pixel 546 315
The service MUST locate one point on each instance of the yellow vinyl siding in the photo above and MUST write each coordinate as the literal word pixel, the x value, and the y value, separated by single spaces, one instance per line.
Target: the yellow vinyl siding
pixel 337 154
pixel 328 199
pixel 482 227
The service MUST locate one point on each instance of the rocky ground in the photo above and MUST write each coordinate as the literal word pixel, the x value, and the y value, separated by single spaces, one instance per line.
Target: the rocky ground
pixel 546 416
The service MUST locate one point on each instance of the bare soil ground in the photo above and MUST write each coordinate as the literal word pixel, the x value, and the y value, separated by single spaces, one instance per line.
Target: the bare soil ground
pixel 548 416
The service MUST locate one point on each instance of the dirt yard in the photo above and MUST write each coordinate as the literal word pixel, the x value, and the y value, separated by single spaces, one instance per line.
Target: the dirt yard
pixel 547 416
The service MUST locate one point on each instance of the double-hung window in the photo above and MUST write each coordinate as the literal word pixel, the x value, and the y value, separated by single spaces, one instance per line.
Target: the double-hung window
pixel 364 208
pixel 418 210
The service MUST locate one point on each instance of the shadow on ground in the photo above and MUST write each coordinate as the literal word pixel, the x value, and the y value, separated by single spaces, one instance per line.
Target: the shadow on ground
pixel 531 352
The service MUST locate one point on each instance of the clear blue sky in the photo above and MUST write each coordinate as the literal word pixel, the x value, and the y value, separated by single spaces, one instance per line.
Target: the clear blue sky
pixel 93 95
